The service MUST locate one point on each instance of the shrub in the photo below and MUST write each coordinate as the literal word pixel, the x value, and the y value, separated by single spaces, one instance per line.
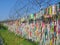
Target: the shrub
pixel 2 27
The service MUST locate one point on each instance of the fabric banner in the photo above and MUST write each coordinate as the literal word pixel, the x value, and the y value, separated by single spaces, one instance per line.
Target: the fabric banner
pixel 41 13
pixel 32 16
pixel 46 11
pixel 59 26
pixel 53 9
pixel 22 19
pixel 50 10
pixel 58 6
pixel 52 27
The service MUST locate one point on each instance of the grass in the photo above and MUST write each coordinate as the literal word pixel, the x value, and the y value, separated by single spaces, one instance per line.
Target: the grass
pixel 11 39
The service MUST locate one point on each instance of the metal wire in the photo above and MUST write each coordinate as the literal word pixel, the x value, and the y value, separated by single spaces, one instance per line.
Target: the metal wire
pixel 29 6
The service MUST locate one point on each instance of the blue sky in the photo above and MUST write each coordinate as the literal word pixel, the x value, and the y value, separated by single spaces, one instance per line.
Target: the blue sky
pixel 5 6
